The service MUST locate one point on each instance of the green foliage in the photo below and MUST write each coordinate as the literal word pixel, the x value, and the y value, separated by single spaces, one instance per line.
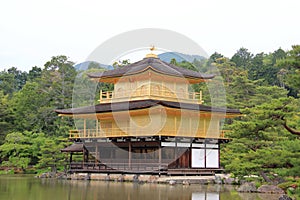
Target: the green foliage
pixel 186 65
pixel 260 142
pixel 12 80
pixel 34 74
pixel 85 91
pixel 9 171
pixel 242 58
pixel 173 61
pixel 121 63
pixel 50 155
pixel 227 69
pixel 49 89
pixel 94 65
pixel 214 57
pixel 6 116
pixel 58 80
pixel 27 102
pixel 240 91
pixel 292 188
pixel 17 151
pixel 27 105
pixel 36 149
pixel 290 73
pixel 262 68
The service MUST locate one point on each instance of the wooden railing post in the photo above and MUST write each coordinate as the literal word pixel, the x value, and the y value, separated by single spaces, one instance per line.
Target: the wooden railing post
pixel 100 96
pixel 200 96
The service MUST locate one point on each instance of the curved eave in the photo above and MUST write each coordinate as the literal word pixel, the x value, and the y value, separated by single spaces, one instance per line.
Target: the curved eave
pixel 144 104
pixel 201 113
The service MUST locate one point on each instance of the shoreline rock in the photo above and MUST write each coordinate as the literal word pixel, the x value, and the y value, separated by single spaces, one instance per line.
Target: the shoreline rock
pixel 272 189
pixel 285 197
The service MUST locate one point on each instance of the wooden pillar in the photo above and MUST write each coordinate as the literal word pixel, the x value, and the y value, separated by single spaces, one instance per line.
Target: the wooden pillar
pixel 86 156
pixel 218 154
pixel 176 153
pixel 159 158
pixel 129 154
pixel 204 126
pixel 97 127
pixel 205 154
pixel 190 126
pixel 71 155
pixel 112 152
pixel 84 127
pixel 83 157
pixel 96 154
pixel 175 125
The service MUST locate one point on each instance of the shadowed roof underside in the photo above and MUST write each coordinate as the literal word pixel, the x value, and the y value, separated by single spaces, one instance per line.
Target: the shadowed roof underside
pixel 75 147
pixel 142 104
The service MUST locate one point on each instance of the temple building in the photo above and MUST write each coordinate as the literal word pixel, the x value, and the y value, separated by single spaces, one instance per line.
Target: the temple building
pixel 152 122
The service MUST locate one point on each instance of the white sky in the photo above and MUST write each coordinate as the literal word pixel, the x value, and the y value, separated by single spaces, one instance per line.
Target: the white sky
pixel 33 31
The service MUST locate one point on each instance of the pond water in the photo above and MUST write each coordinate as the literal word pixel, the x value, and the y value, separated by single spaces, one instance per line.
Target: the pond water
pixel 20 187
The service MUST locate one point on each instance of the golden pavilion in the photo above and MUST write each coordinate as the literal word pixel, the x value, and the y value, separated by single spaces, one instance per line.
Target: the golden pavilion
pixel 150 123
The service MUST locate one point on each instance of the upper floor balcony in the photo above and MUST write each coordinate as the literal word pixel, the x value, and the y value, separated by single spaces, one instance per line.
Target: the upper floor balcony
pixel 151 92
pixel 129 132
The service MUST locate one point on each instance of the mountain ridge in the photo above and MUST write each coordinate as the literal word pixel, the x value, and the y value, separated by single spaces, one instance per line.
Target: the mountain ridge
pixel 166 57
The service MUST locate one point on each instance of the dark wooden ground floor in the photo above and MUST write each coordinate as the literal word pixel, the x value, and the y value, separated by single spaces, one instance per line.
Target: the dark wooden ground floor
pixel 145 156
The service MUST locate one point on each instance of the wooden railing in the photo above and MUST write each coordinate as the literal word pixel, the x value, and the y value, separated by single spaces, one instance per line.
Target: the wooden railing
pixel 152 92
pixel 126 132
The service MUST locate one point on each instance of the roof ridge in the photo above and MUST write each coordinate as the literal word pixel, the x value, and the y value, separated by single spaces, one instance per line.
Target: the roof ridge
pixel 155 63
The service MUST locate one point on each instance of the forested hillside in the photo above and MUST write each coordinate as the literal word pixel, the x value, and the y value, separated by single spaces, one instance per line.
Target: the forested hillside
pixel 265 87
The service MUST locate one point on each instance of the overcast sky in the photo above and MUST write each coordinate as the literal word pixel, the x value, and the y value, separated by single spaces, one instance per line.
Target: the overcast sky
pixel 33 31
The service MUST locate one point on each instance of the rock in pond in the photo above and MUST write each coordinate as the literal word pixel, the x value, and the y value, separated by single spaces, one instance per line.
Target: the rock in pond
pixel 172 182
pixel 247 187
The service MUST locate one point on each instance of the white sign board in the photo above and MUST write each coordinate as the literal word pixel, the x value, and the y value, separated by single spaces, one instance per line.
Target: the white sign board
pixel 198 156
pixel 212 158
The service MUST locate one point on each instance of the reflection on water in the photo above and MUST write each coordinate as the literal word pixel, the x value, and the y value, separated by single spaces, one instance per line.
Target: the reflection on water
pixel 205 196
pixel 27 187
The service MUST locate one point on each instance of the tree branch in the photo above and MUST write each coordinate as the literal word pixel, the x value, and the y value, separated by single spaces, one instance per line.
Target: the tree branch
pixel 289 129
pixel 265 177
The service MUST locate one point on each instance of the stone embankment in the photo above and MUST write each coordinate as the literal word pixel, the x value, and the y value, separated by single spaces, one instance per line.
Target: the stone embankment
pixel 172 180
